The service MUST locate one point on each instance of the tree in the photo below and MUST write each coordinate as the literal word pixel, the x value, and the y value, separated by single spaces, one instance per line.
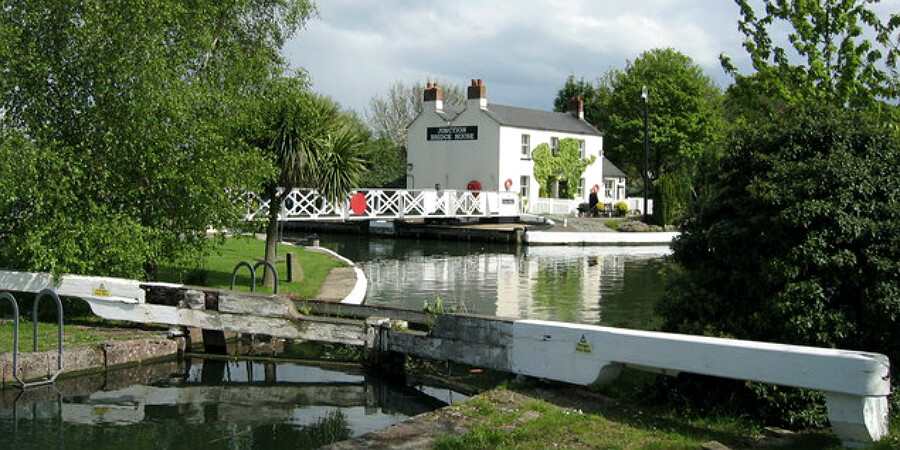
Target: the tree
pixel 117 116
pixel 564 167
pixel 797 240
pixel 390 115
pixel 312 144
pixel 589 93
pixel 839 64
pixel 685 123
pixel 799 243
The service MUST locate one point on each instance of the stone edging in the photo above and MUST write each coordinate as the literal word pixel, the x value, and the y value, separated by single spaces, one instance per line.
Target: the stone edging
pixel 358 295
pixel 588 238
pixel 34 366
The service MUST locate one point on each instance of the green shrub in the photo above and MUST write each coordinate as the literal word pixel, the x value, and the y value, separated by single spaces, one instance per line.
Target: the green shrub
pixel 633 226
pixel 799 243
pixel 620 208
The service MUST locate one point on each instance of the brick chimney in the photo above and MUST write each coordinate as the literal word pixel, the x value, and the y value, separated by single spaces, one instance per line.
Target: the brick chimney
pixel 477 94
pixel 576 106
pixel 434 94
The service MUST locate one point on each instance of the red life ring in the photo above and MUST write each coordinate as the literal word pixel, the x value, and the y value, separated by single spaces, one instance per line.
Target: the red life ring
pixel 474 185
pixel 508 183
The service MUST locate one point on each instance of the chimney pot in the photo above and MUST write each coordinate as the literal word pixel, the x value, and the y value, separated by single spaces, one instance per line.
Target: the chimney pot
pixel 576 106
pixel 434 93
pixel 477 90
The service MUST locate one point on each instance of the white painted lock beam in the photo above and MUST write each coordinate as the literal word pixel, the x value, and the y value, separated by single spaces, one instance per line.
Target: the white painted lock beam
pixel 856 384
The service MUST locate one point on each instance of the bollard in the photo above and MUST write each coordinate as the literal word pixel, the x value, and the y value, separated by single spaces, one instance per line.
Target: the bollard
pixel 294 270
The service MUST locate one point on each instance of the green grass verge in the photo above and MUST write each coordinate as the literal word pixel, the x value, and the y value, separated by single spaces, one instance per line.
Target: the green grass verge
pixel 82 328
pixel 537 421
pixel 216 270
pixel 613 224
pixel 84 333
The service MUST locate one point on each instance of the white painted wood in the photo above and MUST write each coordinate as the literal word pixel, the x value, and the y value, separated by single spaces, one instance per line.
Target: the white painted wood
pixel 857 420
pixel 386 204
pixel 118 290
pixel 856 383
pixel 609 238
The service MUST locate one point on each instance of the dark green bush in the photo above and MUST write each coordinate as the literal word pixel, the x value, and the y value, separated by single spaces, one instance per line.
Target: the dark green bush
pixel 798 243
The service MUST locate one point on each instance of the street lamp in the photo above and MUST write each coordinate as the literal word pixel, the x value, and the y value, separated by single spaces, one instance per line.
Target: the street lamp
pixel 645 96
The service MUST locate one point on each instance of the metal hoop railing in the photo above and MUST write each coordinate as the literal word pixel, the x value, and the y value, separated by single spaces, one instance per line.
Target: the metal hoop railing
pixel 15 352
pixel 252 275
pixel 59 331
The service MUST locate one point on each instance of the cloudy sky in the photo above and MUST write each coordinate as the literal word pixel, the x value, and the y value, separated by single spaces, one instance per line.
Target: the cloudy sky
pixel 523 49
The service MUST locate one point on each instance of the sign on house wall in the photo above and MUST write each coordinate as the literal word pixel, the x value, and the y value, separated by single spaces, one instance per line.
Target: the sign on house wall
pixel 466 133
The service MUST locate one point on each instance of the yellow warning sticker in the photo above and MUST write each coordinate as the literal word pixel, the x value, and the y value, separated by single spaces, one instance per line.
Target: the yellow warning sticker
pixel 583 346
pixel 101 291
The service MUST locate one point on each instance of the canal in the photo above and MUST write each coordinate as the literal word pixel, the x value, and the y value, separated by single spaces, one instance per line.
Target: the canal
pixel 209 404
pixel 213 404
pixel 612 286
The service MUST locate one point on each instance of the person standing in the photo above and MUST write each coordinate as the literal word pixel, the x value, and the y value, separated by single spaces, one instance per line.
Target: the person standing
pixel 593 201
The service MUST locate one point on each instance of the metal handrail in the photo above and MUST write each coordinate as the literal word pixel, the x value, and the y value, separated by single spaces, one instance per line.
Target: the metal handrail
pixel 253 268
pixel 59 330
pixel 15 360
pixel 252 275
pixel 269 265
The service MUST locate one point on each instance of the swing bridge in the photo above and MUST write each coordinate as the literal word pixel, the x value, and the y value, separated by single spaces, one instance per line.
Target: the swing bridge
pixel 388 204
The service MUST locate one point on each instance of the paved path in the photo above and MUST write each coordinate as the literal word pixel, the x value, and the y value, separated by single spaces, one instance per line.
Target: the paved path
pixel 338 284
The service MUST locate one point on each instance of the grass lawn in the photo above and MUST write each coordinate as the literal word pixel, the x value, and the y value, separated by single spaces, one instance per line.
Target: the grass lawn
pixel 528 417
pixel 216 271
pixel 84 332
pixel 83 328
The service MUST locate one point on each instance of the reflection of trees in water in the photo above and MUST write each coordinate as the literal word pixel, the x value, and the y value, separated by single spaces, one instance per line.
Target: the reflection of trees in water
pixel 557 291
pixel 331 428
pixel 174 433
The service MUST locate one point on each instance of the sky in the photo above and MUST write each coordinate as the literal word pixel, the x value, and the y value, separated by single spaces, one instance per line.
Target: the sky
pixel 523 49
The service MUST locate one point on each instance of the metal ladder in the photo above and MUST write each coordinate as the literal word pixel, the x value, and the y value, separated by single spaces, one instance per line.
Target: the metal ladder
pixel 59 319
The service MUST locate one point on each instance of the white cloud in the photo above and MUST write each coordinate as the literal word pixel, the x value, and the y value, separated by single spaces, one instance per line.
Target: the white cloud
pixel 523 49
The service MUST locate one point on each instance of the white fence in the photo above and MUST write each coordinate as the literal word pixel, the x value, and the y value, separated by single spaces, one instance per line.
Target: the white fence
pixel 557 206
pixel 379 204
pixel 563 206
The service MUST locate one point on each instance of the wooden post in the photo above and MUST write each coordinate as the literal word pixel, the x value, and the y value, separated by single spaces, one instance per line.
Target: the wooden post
pixel 213 340
pixel 377 353
pixel 294 271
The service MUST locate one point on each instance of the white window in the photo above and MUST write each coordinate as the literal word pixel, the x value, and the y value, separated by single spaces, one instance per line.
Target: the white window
pixel 581 147
pixel 523 186
pixel 554 145
pixel 581 187
pixel 526 146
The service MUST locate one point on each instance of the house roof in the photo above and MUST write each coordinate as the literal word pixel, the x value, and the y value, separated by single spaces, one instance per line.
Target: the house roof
pixel 611 171
pixel 514 116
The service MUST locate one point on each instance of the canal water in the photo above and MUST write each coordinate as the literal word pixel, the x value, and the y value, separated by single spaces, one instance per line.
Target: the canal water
pixel 209 404
pixel 613 286
pixel 212 404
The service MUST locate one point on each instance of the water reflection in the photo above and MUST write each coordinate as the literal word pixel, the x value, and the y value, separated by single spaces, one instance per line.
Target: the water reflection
pixel 614 286
pixel 207 404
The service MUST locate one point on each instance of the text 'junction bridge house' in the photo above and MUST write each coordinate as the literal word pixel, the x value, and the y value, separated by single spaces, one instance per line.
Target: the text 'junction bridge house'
pixel 488 146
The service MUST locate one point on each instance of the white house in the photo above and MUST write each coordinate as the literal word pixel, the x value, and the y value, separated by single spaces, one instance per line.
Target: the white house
pixel 613 182
pixel 488 146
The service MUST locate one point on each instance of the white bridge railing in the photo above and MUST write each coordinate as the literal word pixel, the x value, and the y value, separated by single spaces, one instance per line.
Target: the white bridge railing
pixel 377 204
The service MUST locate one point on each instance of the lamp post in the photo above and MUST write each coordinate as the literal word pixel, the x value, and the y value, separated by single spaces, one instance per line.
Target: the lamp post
pixel 645 96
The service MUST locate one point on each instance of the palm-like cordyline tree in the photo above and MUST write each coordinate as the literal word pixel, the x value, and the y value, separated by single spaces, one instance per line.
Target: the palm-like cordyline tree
pixel 312 145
